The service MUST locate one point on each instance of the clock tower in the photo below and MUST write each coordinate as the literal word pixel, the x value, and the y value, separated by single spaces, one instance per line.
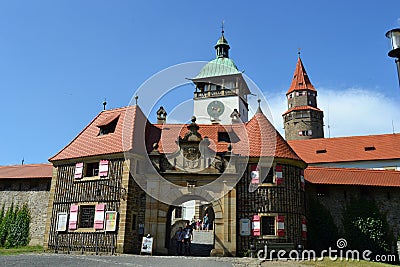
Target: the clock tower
pixel 221 92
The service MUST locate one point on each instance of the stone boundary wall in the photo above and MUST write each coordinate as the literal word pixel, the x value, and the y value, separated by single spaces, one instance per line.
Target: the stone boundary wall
pixel 34 192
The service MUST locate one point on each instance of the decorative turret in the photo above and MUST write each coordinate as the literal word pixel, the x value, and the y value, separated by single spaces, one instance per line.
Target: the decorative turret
pixel 303 119
pixel 161 115
pixel 221 90
pixel 222 47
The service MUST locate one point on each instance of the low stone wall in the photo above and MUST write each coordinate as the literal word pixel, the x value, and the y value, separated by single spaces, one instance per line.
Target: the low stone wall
pixel 34 192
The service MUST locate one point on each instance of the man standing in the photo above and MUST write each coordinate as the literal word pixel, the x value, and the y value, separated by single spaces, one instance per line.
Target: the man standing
pixel 179 241
pixel 187 237
pixel 206 222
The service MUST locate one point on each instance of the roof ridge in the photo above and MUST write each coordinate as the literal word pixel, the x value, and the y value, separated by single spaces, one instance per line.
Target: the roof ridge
pixel 345 137
pixel 26 165
pixel 349 169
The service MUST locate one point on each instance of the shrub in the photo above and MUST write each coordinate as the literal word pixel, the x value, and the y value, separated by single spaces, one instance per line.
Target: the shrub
pixel 5 224
pixel 366 228
pixel 19 231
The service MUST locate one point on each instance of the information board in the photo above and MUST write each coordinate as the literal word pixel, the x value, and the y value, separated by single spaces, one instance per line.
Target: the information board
pixel 147 245
pixel 111 221
pixel 245 227
pixel 62 218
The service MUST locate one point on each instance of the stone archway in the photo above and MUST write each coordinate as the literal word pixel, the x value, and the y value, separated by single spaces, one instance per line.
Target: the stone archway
pixel 203 242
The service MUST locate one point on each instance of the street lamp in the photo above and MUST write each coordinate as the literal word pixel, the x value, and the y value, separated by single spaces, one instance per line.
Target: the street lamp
pixel 394 37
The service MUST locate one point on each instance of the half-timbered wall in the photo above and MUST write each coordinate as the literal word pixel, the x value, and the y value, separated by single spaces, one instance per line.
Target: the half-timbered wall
pixel 286 199
pixel 69 191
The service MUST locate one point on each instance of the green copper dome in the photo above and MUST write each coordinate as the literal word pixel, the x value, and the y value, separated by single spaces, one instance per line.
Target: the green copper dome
pixel 218 67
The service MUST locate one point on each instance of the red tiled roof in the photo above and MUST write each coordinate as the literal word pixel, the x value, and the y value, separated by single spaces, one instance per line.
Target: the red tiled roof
pixel 90 143
pixel 352 148
pixel 300 79
pixel 301 108
pixel 347 176
pixel 256 138
pixel 27 171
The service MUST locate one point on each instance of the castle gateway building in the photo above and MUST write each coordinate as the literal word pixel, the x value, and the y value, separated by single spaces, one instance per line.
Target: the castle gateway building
pixel 123 177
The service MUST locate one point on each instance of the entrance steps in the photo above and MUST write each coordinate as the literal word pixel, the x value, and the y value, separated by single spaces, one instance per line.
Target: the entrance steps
pixel 203 237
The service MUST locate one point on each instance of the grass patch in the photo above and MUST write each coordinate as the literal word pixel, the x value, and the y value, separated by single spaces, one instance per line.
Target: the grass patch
pixel 20 250
pixel 329 263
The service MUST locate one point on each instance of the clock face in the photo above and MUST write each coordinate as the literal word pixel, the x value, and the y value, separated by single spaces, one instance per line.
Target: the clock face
pixel 215 109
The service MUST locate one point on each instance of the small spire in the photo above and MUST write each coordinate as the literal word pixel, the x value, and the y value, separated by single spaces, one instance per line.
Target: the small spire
pixel 136 99
pixel 104 104
pixel 222 46
pixel 299 51
pixel 259 106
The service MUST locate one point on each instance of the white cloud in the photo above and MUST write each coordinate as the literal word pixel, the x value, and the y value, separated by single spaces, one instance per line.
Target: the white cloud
pixel 349 112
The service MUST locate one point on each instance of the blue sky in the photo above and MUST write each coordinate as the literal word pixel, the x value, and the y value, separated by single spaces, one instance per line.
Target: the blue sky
pixel 60 59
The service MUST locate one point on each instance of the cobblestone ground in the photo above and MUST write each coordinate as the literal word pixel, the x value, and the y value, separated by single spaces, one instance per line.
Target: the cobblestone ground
pixel 61 260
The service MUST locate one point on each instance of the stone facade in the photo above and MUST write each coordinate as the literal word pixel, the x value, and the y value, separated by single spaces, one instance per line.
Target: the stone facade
pixel 335 197
pixel 34 192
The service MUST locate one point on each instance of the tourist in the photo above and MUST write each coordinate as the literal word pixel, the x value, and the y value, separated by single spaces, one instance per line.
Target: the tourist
pixel 179 241
pixel 206 222
pixel 198 224
pixel 187 237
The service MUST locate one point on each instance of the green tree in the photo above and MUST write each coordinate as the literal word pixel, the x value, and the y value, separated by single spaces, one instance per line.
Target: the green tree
pixel 322 232
pixel 366 228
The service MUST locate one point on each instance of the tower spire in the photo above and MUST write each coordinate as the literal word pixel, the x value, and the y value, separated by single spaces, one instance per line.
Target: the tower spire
pixel 300 78
pixel 222 46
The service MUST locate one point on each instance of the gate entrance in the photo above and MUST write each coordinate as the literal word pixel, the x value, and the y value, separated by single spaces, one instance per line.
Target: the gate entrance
pixel 190 215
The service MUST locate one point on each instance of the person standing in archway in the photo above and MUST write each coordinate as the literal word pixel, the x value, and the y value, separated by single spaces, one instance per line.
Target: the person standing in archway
pixel 179 241
pixel 187 237
pixel 206 222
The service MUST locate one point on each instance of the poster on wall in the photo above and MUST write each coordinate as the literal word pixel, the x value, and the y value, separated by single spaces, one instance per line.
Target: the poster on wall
pixel 111 221
pixel 245 227
pixel 147 245
pixel 62 218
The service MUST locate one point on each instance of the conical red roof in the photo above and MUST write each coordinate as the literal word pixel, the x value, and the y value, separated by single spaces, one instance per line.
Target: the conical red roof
pixel 300 79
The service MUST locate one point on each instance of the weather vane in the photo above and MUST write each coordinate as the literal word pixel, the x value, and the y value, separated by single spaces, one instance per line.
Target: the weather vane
pixel 299 51
pixel 222 27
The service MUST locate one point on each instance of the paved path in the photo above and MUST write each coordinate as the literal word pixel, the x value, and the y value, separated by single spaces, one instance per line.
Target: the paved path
pixel 61 260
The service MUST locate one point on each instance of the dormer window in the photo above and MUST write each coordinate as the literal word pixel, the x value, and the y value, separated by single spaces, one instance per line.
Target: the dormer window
pixel 108 126
pixel 369 148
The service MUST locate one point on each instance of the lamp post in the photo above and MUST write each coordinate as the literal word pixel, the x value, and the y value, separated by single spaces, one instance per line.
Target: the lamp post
pixel 394 38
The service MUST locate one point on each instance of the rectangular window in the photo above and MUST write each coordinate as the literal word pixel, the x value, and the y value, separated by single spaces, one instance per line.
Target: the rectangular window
pixel 92 169
pixel 178 212
pixel 267 174
pixel 267 225
pixel 86 216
